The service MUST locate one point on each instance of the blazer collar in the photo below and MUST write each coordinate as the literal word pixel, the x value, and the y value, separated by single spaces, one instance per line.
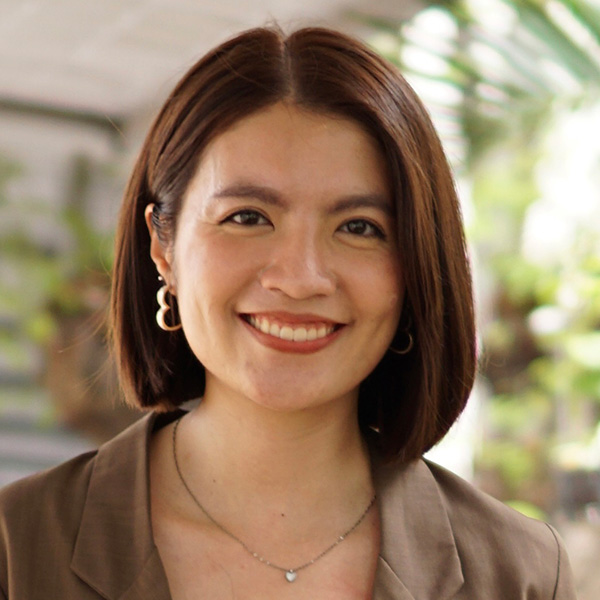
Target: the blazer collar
pixel 418 557
pixel 115 552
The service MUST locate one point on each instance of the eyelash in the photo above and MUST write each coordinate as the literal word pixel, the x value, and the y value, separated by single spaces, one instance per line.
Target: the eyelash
pixel 375 230
pixel 247 215
pixel 252 218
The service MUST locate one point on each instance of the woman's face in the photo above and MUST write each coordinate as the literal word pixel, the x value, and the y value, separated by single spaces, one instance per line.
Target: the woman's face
pixel 284 261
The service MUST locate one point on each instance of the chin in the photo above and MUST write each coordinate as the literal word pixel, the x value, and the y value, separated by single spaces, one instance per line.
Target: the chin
pixel 291 397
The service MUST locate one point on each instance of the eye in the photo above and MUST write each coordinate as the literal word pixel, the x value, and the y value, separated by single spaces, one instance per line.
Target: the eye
pixel 363 228
pixel 247 217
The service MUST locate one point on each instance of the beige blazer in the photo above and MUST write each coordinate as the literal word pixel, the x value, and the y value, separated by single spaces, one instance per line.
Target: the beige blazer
pixel 82 531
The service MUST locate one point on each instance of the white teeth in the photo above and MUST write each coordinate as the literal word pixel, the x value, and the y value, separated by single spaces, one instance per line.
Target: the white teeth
pixel 288 333
pixel 300 335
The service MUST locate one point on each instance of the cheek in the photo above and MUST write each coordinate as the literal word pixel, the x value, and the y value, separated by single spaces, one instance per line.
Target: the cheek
pixel 210 269
pixel 381 289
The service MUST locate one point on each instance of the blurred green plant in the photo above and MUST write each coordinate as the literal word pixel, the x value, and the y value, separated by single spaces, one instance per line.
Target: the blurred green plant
pixel 513 86
pixel 55 266
pixel 43 283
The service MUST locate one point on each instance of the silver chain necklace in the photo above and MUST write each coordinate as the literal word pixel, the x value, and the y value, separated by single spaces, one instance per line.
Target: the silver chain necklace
pixel 290 573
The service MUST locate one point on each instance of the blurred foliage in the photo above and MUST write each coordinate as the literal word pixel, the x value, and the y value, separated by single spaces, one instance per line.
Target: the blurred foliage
pixel 55 266
pixel 42 280
pixel 513 86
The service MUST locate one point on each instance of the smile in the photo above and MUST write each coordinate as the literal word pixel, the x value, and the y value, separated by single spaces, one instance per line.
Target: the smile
pixel 290 332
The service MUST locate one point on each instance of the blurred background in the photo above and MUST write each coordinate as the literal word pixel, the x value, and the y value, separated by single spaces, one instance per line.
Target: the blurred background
pixel 514 89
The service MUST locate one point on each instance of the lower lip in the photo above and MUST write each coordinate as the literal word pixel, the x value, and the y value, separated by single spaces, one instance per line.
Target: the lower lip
pixel 307 347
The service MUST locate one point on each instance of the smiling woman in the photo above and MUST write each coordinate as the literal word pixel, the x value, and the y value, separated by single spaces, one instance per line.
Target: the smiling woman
pixel 287 225
pixel 293 213
pixel 314 73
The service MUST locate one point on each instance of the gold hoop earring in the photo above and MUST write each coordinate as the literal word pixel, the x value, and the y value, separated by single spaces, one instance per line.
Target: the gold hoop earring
pixel 409 345
pixel 161 298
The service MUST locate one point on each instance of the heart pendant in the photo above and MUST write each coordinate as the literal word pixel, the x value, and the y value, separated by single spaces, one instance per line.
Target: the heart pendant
pixel 291 576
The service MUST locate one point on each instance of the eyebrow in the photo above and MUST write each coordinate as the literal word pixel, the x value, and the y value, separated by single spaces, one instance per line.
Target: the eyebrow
pixel 270 196
pixel 243 190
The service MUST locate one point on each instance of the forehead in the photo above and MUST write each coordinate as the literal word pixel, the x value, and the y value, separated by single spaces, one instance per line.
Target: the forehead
pixel 290 147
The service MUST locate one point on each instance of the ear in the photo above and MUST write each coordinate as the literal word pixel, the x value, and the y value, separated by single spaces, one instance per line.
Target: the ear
pixel 160 255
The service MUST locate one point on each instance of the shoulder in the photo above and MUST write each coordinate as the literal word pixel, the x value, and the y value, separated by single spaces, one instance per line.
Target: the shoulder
pixel 53 491
pixel 38 514
pixel 44 517
pixel 499 543
pixel 472 511
pixel 62 489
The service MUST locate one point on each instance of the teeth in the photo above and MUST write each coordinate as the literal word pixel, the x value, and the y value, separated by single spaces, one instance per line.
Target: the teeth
pixel 264 326
pixel 300 335
pixel 288 333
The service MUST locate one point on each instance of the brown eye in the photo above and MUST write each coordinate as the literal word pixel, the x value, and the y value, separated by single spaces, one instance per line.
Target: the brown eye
pixel 248 218
pixel 362 228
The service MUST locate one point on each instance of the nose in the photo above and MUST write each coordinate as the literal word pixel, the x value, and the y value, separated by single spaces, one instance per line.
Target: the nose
pixel 299 267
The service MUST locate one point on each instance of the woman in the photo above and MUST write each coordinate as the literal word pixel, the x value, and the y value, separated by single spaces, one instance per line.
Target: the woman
pixel 294 202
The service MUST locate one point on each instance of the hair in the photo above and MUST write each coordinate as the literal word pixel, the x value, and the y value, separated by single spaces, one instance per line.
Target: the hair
pixel 411 400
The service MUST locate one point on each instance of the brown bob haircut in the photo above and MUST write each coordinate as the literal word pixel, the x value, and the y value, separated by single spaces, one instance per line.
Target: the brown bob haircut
pixel 410 400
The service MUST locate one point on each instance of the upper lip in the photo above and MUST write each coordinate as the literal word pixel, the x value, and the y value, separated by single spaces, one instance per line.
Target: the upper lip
pixel 293 318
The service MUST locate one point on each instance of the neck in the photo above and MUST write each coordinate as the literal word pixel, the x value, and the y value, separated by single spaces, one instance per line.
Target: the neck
pixel 289 461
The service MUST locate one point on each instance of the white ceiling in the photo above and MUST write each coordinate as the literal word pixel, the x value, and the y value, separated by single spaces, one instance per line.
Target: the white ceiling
pixel 112 57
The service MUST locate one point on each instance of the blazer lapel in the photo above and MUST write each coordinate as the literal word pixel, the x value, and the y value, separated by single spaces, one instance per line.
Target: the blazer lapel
pixel 150 583
pixel 418 558
pixel 387 584
pixel 116 556
pixel 114 552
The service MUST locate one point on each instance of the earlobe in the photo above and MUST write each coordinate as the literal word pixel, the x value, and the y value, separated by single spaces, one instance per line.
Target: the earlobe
pixel 158 253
